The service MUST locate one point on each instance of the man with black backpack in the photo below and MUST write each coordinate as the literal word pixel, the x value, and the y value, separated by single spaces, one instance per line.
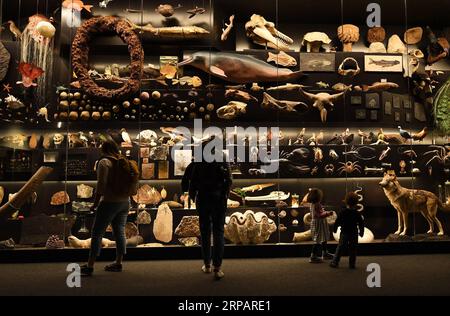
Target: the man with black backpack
pixel 117 181
pixel 209 184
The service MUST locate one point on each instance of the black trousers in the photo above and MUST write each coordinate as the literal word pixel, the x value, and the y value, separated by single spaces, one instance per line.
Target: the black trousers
pixel 349 241
pixel 212 208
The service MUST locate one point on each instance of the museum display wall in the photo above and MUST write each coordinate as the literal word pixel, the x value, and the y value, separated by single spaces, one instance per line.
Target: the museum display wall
pixel 347 106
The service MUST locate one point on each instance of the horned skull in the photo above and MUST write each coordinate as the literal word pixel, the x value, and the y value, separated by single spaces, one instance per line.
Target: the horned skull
pixel 264 33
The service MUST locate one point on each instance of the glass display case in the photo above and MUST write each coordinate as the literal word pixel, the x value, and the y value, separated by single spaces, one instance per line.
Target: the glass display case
pixel 341 95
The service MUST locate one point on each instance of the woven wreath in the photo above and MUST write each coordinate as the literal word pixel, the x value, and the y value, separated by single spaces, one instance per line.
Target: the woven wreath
pixel 80 56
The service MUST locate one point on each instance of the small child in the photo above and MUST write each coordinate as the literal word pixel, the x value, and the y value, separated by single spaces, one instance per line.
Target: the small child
pixel 349 219
pixel 319 227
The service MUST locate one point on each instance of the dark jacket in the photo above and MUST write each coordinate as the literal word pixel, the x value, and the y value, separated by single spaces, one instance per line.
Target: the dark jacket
pixel 205 177
pixel 350 220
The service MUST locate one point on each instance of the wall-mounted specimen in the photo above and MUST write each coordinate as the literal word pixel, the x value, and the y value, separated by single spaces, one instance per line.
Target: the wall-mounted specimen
pixel 383 63
pixel 377 86
pixel 282 59
pixel 80 56
pixel 166 10
pixel 355 100
pixel 5 58
pixel 77 5
pixel 372 101
pixel 321 100
pixel 239 68
pixel 163 225
pixel 321 62
pixel 249 227
pixel 348 34
pixel 148 171
pixel 315 41
pixel 264 33
pixel 232 110
pixel 163 169
pixel 270 102
pixel 227 29
pixel 419 112
pixel 396 46
pixel 405 200
pixel 360 114
pixel 413 35
pixel 349 67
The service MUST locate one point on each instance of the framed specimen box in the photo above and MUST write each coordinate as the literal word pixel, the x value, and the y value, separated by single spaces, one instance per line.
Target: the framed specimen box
pixel 356 100
pixel 360 114
pixel 148 171
pixel 320 62
pixel 383 63
pixel 372 101
pixel 163 170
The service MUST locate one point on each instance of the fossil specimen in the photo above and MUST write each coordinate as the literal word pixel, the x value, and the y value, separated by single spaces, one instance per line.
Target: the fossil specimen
pixel 239 95
pixel 231 110
pixel 377 86
pixel 282 59
pixel 321 100
pixel 287 87
pixel 272 196
pixel 270 102
pixel 264 33
pixel 377 47
pixel 314 41
pixel 5 58
pixel 249 227
pixel 348 34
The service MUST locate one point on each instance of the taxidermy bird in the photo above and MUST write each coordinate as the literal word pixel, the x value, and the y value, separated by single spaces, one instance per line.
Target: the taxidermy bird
pixel 420 135
pixel 403 133
pixel 321 100
pixel 15 30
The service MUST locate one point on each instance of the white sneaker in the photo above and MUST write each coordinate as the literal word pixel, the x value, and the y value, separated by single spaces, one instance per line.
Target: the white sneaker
pixel 206 269
pixel 218 274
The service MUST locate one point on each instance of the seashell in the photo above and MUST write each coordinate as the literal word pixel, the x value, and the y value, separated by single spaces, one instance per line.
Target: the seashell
pixel 249 227
pixel 73 115
pixel 232 204
pixel 96 116
pixel 272 214
pixel 377 47
pixel 413 35
pixel 282 214
pixel 144 96
pixel 188 227
pixel 85 115
pixel 396 46
pixel 106 115
pixel 376 34
pixel 147 195
pixel 60 198
pixel 295 222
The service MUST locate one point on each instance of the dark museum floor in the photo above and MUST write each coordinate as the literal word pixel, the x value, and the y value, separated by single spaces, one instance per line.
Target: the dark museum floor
pixel 400 275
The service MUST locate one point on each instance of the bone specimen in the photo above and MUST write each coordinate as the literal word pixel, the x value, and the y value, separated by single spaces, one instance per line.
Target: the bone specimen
pixel 376 34
pixel 270 102
pixel 257 187
pixel 282 59
pixel 321 100
pixel 377 86
pixel 287 87
pixel 256 87
pixel 413 35
pixel 340 87
pixel 227 29
pixel 272 196
pixel 232 110
pixel 163 225
pixel 239 95
pixel 239 68
pixel 314 41
pixel 188 227
pixel 348 34
pixel 193 12
pixel 396 46
pixel 264 33
pixel 349 67
pixel 249 227
pixel 176 32
pixel 104 3
pixel 60 198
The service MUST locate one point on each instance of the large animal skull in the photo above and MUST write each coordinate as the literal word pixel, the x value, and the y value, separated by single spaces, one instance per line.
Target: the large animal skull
pixel 264 33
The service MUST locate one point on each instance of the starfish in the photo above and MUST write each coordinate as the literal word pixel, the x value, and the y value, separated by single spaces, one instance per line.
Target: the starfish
pixel 7 87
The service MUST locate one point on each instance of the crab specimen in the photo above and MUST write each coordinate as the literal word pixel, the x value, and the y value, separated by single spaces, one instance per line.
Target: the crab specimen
pixel 264 33
pixel 441 154
pixel 349 167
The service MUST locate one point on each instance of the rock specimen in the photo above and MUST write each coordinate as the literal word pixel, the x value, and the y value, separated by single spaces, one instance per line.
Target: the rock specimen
pixel 249 227
pixel 376 34
pixel 396 46
pixel 131 230
pixel 189 241
pixel 60 198
pixel 413 35
pixel 53 242
pixel 84 191
pixel 188 227
pixel 143 218
pixel 147 195
pixel 163 226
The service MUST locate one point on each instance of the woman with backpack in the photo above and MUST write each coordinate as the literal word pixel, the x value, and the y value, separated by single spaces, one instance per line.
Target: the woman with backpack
pixel 117 181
